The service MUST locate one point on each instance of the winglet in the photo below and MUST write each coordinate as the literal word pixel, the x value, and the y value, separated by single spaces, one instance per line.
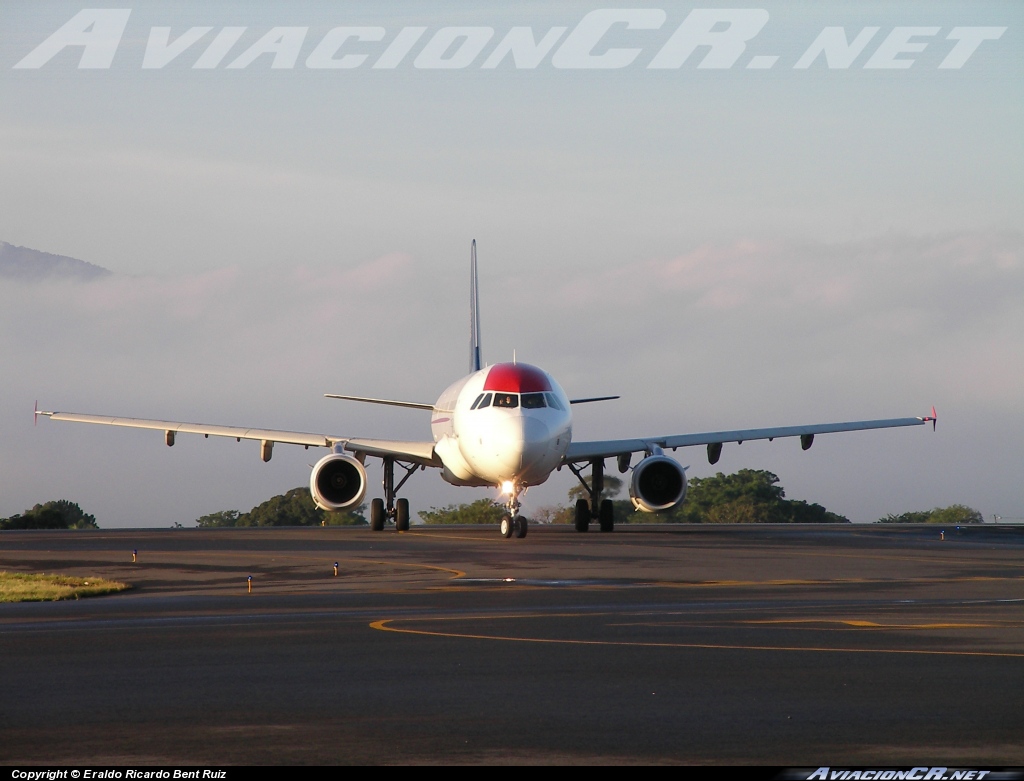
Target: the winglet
pixel 934 418
pixel 37 412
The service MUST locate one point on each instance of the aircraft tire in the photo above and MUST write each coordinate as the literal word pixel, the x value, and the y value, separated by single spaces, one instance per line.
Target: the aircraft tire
pixel 402 515
pixel 521 526
pixel 582 515
pixel 506 527
pixel 606 516
pixel 377 515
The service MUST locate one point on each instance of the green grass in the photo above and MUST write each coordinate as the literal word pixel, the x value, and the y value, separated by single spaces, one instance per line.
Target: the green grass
pixel 24 587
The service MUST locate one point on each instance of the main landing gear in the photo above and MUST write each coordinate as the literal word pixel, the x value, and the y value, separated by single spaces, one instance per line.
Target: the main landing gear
pixel 394 509
pixel 512 523
pixel 596 509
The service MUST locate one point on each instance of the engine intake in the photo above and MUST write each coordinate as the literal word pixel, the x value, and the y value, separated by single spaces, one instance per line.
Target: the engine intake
pixel 658 484
pixel 338 481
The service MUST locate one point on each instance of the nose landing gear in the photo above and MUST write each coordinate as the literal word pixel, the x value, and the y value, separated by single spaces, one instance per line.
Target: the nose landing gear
pixel 512 523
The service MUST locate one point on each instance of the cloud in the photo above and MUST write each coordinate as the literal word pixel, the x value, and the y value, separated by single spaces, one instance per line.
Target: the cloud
pixel 753 332
pixel 975 269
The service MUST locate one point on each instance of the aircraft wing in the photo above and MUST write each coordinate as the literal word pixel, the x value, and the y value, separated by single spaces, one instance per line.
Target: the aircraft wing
pixel 586 451
pixel 417 452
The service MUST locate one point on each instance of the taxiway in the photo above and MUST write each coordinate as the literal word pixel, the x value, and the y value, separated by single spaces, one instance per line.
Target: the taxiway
pixel 761 645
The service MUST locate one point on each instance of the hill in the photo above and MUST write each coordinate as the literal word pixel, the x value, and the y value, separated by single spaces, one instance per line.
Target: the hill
pixel 32 265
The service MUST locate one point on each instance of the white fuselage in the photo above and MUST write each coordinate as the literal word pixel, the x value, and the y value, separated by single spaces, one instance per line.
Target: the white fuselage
pixel 508 422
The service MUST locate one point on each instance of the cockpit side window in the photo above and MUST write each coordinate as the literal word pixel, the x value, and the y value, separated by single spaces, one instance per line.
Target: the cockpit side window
pixel 553 401
pixel 485 401
pixel 507 400
pixel 477 402
pixel 533 400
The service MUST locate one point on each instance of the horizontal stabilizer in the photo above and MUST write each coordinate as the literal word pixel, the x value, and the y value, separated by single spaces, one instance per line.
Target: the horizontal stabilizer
pixel 389 402
pixel 593 398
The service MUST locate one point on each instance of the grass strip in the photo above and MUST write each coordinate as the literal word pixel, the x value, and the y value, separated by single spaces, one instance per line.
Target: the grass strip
pixel 28 587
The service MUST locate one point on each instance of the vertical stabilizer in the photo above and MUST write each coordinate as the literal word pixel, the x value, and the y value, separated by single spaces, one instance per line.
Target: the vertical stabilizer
pixel 475 361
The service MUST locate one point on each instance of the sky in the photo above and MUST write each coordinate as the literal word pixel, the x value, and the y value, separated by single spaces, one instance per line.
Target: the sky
pixel 724 244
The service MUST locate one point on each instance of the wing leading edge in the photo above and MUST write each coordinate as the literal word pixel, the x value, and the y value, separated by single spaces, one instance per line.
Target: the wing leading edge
pixel 584 451
pixel 414 452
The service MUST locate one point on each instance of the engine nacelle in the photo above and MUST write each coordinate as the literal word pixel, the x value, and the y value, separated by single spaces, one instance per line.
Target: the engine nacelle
pixel 338 481
pixel 658 484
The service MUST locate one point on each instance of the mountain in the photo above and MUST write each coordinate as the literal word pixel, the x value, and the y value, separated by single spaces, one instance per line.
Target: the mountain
pixel 33 265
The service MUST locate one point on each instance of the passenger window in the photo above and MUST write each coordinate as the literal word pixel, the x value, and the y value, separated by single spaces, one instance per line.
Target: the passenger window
pixel 485 401
pixel 508 400
pixel 533 401
pixel 553 401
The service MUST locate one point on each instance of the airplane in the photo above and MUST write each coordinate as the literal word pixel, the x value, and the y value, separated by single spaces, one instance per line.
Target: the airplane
pixel 507 426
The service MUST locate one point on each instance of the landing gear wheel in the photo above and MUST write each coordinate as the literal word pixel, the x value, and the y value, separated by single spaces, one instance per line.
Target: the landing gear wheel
pixel 582 515
pixel 521 524
pixel 377 515
pixel 606 516
pixel 402 515
pixel 506 527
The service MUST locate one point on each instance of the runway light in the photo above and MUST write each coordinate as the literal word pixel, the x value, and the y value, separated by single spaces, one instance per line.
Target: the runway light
pixel 249 581
pixel 135 555
pixel 508 487
pixel 335 569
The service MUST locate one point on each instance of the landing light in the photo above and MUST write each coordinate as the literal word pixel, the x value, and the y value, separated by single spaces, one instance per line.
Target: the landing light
pixel 508 487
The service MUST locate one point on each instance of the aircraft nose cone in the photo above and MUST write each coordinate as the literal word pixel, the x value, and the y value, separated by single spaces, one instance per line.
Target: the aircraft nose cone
pixel 535 434
pixel 521 443
pixel 534 431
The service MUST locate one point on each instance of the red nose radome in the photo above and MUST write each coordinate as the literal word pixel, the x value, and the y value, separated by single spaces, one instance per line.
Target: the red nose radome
pixel 516 378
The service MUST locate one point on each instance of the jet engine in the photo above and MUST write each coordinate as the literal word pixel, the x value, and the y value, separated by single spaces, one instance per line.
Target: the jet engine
pixel 338 481
pixel 658 484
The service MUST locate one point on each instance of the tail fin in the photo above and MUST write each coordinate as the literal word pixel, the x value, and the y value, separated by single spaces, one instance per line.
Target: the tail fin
pixel 475 360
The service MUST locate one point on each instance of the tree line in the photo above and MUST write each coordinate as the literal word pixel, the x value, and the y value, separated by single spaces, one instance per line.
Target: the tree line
pixel 59 514
pixel 954 515
pixel 295 508
pixel 747 496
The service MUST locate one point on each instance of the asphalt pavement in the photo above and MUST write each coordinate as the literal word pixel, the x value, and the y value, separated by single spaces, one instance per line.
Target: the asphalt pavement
pixel 765 645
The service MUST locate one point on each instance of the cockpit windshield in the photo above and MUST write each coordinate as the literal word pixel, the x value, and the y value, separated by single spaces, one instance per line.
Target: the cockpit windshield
pixel 533 400
pixel 507 400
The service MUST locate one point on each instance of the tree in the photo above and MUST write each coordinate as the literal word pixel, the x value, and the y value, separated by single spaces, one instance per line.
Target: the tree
pixel 218 519
pixel 482 511
pixel 920 516
pixel 295 508
pixel 954 515
pixel 747 496
pixel 612 487
pixel 553 514
pixel 802 512
pixel 58 514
